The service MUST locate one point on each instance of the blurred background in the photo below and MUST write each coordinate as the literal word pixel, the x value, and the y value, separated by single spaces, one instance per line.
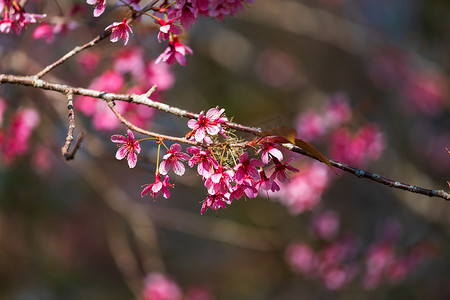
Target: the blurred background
pixel 364 81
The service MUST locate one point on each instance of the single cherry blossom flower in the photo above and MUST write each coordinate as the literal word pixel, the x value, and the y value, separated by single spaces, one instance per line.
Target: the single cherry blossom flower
pixel 185 13
pixel 129 147
pixel 267 183
pixel 120 30
pixel 268 151
pixel 158 187
pixel 167 28
pixel 99 6
pixel 215 202
pixel 246 168
pixel 245 187
pixel 175 51
pixel 220 181
pixel 281 170
pixel 210 124
pixel 172 160
pixel 206 163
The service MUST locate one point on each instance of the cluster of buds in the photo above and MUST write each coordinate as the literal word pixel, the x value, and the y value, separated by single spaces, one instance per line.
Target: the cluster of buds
pixel 227 170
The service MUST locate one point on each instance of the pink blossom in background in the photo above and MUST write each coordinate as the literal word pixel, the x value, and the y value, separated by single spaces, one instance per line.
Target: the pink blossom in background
pixel 16 139
pixel 2 109
pixel 388 70
pixel 301 258
pixel 358 149
pixel 159 287
pixel 119 30
pixel 88 60
pixel 130 60
pixel 325 225
pixel 337 111
pixel 198 293
pixel 305 189
pixel 310 125
pixel 42 159
pixel 103 118
pixel 99 6
pixel 44 31
pixel 159 74
pixel 425 92
pixel 222 8
pixel 48 31
pixel 276 68
pixel 185 13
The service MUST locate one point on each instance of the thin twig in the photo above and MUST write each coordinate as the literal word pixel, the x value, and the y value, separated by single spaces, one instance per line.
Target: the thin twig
pixel 144 100
pixel 69 138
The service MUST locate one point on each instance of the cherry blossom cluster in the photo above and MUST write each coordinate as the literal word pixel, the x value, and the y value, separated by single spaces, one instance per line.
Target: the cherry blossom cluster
pixel 346 145
pixel 14 137
pixel 131 72
pixel 341 261
pixel 15 17
pixel 158 286
pixel 169 17
pixel 228 172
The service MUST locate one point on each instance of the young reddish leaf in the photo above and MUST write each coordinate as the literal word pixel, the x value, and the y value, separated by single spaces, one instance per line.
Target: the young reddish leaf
pixel 285 134
pixel 313 150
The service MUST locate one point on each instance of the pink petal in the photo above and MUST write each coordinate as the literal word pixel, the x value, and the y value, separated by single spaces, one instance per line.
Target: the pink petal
pixel 157 187
pixel 178 168
pixel 175 148
pixel 164 167
pixel 199 135
pixel 119 139
pixel 132 159
pixel 121 152
pixel 146 190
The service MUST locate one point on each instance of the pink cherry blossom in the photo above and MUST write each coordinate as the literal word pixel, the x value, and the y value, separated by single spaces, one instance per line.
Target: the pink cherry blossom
pixel 99 6
pixel 301 258
pixel 210 124
pixel 157 187
pixel 267 184
pixel 185 13
pixel 268 151
pixel 220 181
pixel 247 187
pixel 129 147
pixel 159 287
pixel 15 142
pixel 172 161
pixel 215 202
pixel 175 52
pixel 120 30
pixel 206 163
pixel 281 170
pixel 246 168
pixel 325 225
pixel 167 28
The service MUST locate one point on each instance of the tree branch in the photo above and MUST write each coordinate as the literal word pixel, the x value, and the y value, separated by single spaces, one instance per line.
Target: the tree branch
pixel 145 100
